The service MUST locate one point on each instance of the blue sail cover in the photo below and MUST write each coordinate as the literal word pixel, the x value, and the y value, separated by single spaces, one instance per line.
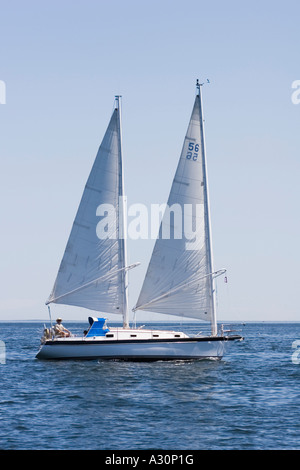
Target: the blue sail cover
pixel 98 327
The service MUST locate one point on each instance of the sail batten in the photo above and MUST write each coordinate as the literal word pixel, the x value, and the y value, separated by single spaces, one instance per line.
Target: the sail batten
pixel 179 278
pixel 91 273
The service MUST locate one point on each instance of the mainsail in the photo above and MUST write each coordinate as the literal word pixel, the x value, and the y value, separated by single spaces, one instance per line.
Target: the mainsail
pixel 179 279
pixel 92 272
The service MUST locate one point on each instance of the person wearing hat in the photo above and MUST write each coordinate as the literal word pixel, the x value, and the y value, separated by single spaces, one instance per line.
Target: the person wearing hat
pixel 60 330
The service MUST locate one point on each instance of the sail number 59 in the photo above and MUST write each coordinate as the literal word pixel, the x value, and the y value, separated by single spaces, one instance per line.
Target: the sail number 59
pixel 193 150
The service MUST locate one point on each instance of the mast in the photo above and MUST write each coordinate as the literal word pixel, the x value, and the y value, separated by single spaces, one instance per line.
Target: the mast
pixel 207 214
pixel 122 219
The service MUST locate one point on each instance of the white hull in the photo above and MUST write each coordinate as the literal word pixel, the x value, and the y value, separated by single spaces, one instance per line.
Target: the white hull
pixel 137 349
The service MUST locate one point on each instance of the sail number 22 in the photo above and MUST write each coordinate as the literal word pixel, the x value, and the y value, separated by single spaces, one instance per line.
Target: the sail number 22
pixel 193 150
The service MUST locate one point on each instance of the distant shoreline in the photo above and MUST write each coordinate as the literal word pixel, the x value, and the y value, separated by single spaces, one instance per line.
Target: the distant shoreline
pixel 236 322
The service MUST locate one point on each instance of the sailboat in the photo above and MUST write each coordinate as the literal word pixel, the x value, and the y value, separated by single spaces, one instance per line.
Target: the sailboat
pixel 180 277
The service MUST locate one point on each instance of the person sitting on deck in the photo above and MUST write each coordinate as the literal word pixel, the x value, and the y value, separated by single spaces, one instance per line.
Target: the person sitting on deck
pixel 60 330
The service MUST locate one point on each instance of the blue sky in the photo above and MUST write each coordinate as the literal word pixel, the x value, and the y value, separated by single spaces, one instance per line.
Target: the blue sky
pixel 63 62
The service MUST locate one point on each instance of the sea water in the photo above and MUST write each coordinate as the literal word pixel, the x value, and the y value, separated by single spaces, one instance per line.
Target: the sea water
pixel 248 400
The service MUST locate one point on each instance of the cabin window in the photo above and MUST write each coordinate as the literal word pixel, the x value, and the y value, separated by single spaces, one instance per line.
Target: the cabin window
pixel 133 336
pixel 155 336
pixel 109 335
pixel 177 336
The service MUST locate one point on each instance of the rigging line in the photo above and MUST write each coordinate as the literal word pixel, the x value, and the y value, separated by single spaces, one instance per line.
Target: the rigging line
pixel 50 315
pixel 105 277
pixel 181 286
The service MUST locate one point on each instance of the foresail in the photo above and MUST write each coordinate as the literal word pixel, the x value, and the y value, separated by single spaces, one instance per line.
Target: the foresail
pixel 91 272
pixel 179 277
